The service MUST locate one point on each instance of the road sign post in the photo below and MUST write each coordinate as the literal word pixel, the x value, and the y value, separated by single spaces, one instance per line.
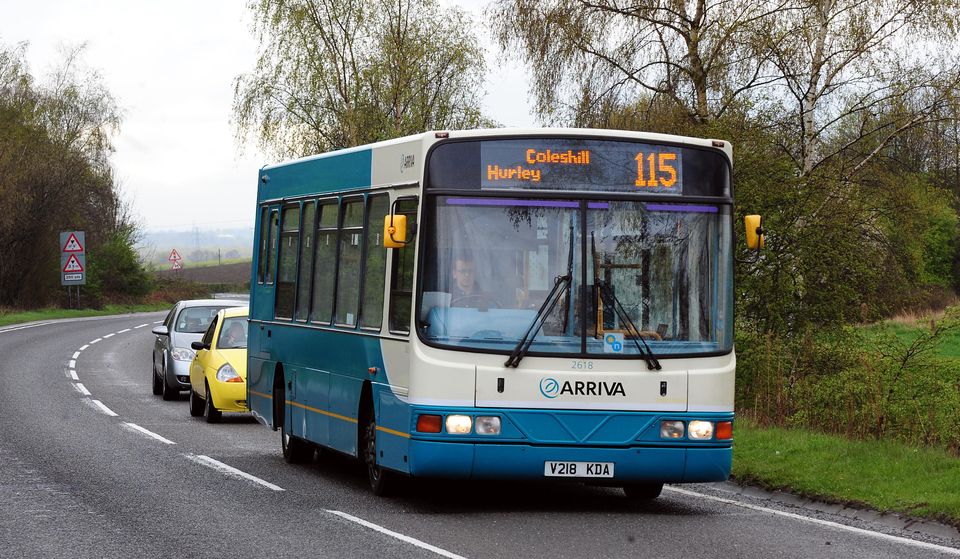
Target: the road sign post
pixel 73 262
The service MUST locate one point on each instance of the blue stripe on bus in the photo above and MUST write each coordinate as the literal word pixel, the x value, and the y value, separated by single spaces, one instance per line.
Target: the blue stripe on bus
pixel 322 175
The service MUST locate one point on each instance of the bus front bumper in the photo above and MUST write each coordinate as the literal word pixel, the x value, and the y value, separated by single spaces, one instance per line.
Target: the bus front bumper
pixel 460 460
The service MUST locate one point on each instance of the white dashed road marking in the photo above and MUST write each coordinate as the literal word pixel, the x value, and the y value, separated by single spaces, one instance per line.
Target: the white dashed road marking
pixel 397 535
pixel 103 408
pixel 230 470
pixel 81 389
pixel 149 433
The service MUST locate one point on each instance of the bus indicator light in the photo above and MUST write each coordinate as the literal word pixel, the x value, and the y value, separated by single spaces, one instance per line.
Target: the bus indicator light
pixel 429 423
pixel 724 430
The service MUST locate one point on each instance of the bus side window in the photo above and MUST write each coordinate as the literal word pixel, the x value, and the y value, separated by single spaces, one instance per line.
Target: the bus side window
pixel 325 262
pixel 308 228
pixel 264 242
pixel 287 276
pixel 401 274
pixel 375 265
pixel 271 243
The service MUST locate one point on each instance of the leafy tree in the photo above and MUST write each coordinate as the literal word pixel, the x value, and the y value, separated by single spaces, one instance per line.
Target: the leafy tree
pixel 340 73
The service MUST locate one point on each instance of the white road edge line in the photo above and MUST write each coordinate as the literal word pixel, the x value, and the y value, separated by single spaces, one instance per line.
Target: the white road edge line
pixel 96 340
pixel 836 525
pixel 141 326
pixel 73 375
pixel 401 537
pixel 109 336
pixel 76 354
pixel 149 433
pixel 122 331
pixel 81 389
pixel 14 329
pixel 72 364
pixel 104 408
pixel 83 347
pixel 229 470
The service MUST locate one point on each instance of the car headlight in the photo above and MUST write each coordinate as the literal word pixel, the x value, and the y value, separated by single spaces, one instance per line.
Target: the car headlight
pixel 182 354
pixel 700 430
pixel 226 373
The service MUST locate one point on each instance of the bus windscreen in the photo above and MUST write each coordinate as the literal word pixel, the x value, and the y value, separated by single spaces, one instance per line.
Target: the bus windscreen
pixel 578 164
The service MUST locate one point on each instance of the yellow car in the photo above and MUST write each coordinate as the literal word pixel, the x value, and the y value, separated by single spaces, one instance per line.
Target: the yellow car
pixel 218 373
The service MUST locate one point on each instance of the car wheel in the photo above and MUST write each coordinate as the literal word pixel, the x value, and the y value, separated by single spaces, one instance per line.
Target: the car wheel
pixel 643 491
pixel 196 404
pixel 157 387
pixel 168 392
pixel 295 449
pixel 382 481
pixel 210 412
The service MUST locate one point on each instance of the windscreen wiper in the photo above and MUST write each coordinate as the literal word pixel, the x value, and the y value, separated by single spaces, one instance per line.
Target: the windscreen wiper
pixel 560 285
pixel 648 356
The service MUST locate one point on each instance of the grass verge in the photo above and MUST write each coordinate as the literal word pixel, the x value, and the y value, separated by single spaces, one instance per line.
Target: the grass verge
pixel 10 317
pixel 882 475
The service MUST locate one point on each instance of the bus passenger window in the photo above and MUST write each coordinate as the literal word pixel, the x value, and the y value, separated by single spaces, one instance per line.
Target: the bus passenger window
pixel 401 274
pixel 287 277
pixel 306 260
pixel 348 284
pixel 264 242
pixel 374 275
pixel 271 243
pixel 326 263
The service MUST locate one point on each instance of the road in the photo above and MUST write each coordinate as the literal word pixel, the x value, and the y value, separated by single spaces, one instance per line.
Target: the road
pixel 93 465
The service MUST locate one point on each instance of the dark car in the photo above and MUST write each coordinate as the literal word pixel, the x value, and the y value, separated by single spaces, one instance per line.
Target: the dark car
pixel 185 323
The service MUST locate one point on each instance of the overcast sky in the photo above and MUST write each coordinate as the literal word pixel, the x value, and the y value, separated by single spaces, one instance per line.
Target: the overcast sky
pixel 171 66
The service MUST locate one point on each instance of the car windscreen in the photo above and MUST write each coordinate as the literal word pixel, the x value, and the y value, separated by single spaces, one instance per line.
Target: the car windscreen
pixel 194 320
pixel 233 333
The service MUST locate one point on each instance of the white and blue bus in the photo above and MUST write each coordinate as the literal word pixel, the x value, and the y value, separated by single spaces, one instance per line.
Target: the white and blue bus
pixel 552 304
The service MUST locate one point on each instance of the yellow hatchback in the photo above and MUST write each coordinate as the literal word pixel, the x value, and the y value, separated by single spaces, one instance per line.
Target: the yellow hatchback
pixel 218 373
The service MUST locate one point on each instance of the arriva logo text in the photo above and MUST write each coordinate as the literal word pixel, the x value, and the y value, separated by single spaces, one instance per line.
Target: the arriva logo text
pixel 551 388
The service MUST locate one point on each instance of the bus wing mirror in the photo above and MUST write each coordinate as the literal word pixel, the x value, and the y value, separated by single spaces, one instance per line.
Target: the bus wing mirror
pixel 395 231
pixel 754 232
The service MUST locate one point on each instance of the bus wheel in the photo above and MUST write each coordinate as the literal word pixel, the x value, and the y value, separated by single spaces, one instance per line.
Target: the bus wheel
pixel 643 491
pixel 382 481
pixel 295 449
pixel 210 412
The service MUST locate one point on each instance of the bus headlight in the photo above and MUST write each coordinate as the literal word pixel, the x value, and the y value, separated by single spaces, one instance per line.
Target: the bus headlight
pixel 459 424
pixel 671 429
pixel 488 425
pixel 700 430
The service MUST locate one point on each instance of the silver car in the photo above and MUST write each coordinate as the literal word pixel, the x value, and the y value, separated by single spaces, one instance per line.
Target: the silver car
pixel 185 323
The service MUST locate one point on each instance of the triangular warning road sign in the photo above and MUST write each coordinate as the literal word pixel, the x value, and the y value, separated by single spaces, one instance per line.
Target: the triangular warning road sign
pixel 177 265
pixel 174 256
pixel 73 265
pixel 72 245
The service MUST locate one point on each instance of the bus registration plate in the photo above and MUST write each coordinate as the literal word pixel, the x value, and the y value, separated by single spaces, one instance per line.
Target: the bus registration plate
pixel 552 468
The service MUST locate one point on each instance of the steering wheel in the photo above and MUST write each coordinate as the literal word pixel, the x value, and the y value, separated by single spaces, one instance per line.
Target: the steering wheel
pixel 474 300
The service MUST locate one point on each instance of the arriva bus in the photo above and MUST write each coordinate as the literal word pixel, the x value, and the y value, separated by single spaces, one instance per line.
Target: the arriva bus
pixel 552 304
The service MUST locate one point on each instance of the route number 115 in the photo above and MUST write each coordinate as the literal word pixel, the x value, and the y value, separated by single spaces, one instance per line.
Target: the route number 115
pixel 656 170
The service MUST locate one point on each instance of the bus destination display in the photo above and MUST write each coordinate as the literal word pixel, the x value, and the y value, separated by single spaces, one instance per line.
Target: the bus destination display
pixel 563 164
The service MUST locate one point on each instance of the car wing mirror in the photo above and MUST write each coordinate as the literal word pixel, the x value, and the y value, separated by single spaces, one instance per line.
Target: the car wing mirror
pixel 161 330
pixel 198 346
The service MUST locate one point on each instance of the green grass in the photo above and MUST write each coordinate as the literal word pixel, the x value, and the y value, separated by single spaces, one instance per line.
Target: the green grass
pixel 10 317
pixel 883 475
pixel 209 263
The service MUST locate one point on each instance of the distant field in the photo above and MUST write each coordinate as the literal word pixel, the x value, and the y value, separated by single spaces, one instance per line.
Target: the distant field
pixel 234 273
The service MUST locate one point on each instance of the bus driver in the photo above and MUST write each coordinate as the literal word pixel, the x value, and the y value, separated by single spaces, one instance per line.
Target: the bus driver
pixel 465 292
